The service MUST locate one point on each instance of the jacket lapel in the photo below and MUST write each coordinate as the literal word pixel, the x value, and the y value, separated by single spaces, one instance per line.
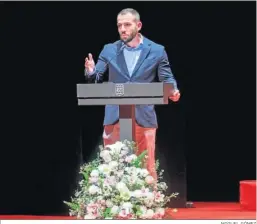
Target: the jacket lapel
pixel 145 50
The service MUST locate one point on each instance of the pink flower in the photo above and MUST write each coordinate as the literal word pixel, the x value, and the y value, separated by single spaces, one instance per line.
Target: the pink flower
pixel 110 181
pixel 158 197
pixel 130 158
pixel 149 179
pixel 157 216
pixel 124 214
pixel 93 210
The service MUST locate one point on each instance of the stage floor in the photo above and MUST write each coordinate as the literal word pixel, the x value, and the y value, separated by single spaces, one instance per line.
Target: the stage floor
pixel 201 210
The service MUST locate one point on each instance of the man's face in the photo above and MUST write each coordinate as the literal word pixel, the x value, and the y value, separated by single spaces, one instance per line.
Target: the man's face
pixel 128 27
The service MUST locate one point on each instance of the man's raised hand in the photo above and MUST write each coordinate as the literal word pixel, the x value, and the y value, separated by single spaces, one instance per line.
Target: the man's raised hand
pixel 89 63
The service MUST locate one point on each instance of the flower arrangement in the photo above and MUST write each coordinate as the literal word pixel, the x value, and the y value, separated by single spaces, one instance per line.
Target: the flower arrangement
pixel 116 186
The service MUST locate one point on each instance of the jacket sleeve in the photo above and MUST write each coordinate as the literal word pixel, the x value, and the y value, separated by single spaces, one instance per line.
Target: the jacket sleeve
pixel 164 71
pixel 100 68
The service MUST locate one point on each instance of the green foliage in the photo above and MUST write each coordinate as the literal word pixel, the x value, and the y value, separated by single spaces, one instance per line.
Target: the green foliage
pixel 107 213
pixel 138 162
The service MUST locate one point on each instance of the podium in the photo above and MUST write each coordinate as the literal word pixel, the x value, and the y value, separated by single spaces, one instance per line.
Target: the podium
pixel 127 95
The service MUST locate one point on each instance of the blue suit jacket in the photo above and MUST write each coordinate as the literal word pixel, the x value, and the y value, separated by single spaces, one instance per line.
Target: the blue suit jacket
pixel 153 63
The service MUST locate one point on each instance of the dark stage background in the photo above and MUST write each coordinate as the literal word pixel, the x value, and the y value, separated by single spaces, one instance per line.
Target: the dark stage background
pixel 211 46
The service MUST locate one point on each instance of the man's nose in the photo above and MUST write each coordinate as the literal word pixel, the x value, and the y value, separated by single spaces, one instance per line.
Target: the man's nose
pixel 122 29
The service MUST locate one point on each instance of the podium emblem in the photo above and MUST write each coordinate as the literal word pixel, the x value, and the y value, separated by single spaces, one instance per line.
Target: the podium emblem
pixel 119 89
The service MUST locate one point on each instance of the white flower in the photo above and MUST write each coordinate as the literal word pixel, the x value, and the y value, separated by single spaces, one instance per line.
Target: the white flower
pixel 145 191
pixel 143 210
pixel 130 158
pixel 120 173
pixel 149 196
pixel 112 180
pixel 137 194
pixel 94 189
pixel 93 180
pixel 131 170
pixel 149 213
pixel 160 211
pixel 115 210
pixel 127 205
pixel 139 171
pixel 116 147
pixel 109 203
pixel 104 168
pixel 89 216
pixel 121 186
pixel 120 144
pixel 125 195
pixel 132 179
pixel 144 172
pixel 105 154
pixel 149 179
pixel 124 191
pixel 99 198
pixel 148 202
pixel 125 209
pixel 113 165
pixel 134 170
pixel 140 182
pixel 94 173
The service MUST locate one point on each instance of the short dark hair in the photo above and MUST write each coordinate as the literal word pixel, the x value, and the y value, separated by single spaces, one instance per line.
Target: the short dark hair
pixel 130 10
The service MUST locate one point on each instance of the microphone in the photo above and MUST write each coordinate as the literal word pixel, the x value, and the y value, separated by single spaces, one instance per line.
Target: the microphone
pixel 108 62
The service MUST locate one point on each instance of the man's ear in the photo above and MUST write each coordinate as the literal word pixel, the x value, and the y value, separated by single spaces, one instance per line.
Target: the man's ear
pixel 139 26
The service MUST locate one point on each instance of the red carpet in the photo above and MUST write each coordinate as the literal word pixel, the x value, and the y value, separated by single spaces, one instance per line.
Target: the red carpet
pixel 202 210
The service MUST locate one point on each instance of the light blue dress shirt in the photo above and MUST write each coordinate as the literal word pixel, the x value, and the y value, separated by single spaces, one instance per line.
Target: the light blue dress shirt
pixel 131 55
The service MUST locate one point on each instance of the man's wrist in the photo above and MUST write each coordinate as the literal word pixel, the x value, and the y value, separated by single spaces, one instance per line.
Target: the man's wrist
pixel 174 91
pixel 90 72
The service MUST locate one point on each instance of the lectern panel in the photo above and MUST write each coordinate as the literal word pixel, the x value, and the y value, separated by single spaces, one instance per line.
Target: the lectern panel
pixel 122 101
pixel 110 90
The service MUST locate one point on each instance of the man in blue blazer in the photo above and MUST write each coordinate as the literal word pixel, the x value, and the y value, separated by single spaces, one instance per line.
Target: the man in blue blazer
pixel 135 59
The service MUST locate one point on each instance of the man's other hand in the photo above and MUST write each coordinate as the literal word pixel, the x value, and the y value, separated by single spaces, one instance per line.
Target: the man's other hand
pixel 175 96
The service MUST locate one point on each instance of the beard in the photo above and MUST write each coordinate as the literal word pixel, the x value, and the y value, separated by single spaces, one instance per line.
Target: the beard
pixel 130 37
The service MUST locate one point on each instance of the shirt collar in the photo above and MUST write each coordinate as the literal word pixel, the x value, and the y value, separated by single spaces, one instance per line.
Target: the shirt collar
pixel 137 47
